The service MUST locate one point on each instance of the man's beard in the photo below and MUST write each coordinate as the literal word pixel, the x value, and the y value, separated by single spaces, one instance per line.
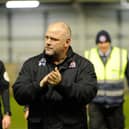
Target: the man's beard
pixel 51 57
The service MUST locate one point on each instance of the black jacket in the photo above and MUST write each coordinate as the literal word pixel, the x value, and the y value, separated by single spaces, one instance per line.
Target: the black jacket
pixel 63 106
pixel 4 90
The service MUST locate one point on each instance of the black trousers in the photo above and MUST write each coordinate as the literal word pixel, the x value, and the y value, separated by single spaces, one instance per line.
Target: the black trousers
pixel 34 124
pixel 0 124
pixel 101 117
pixel 0 117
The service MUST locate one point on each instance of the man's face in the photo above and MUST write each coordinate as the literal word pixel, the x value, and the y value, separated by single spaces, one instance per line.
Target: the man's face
pixel 104 46
pixel 55 41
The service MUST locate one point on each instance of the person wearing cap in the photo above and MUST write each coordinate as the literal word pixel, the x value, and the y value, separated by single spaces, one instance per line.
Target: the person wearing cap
pixel 111 66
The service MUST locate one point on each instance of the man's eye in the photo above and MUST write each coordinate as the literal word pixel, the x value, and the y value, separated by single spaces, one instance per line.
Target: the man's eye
pixel 46 37
pixel 50 38
pixel 54 39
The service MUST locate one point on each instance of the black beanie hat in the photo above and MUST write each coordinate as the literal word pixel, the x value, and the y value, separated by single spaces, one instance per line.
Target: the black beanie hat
pixel 103 36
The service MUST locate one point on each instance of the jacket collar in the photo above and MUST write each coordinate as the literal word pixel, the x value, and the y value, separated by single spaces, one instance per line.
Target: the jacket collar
pixel 49 59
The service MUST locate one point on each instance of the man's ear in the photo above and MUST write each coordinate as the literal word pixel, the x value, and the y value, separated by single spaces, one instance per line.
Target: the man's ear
pixel 68 41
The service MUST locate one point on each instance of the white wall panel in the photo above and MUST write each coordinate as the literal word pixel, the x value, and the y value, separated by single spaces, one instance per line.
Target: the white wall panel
pixel 24 49
pixel 4 50
pixel 27 24
pixel 28 28
pixel 3 37
pixel 3 25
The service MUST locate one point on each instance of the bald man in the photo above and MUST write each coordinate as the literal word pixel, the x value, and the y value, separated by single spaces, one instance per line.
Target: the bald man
pixel 56 84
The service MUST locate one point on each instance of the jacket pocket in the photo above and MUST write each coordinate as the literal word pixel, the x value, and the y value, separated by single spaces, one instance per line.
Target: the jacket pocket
pixel 35 123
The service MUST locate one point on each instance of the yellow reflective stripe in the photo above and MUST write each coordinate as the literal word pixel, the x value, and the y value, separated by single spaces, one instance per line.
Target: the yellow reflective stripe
pixel 110 93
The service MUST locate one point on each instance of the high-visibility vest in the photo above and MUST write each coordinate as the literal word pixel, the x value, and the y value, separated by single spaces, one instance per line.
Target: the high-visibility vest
pixel 111 75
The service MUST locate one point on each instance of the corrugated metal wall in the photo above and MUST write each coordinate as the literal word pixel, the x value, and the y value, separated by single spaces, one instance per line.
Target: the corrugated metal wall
pixel 22 30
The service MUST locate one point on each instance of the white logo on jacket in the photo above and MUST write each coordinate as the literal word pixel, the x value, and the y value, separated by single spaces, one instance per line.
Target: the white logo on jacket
pixel 72 64
pixel 42 62
pixel 6 77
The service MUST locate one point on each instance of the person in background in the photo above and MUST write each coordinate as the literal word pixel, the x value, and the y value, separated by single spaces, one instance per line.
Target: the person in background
pixel 5 116
pixel 111 66
pixel 57 84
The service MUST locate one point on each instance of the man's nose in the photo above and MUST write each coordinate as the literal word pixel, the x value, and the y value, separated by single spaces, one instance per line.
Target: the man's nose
pixel 48 41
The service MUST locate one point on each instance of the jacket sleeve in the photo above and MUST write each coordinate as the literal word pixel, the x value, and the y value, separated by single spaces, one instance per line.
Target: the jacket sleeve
pixel 4 79
pixel 26 89
pixel 4 89
pixel 127 71
pixel 84 89
pixel 6 101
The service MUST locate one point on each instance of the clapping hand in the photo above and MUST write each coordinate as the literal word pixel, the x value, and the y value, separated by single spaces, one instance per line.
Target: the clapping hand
pixel 53 78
